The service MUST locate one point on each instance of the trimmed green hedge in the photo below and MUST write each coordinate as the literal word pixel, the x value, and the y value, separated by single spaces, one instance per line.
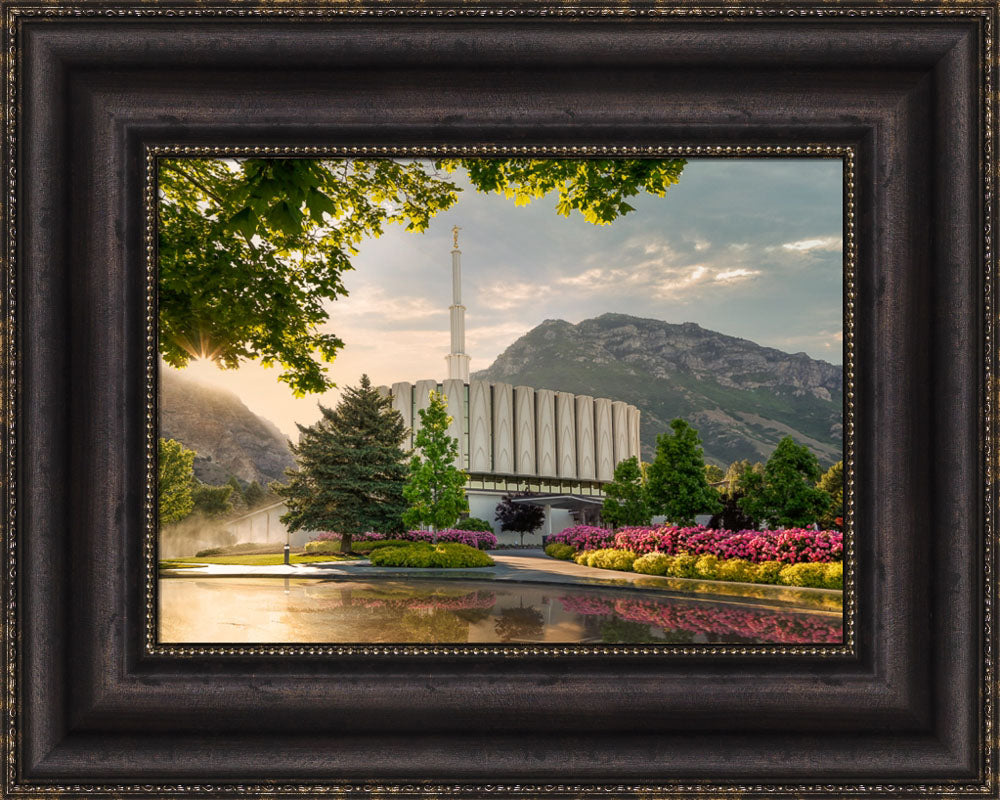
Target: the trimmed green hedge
pixel 443 555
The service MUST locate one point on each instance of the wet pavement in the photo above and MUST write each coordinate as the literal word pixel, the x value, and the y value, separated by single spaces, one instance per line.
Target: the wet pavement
pixel 527 566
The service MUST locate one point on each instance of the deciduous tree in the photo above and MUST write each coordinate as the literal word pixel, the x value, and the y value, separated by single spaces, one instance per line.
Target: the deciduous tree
pixel 626 501
pixel 785 495
pixel 519 518
pixel 435 489
pixel 676 479
pixel 174 481
pixel 832 483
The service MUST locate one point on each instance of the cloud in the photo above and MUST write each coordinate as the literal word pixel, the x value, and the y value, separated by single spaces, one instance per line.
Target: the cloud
pixel 505 295
pixel 376 302
pixel 823 243
pixel 732 275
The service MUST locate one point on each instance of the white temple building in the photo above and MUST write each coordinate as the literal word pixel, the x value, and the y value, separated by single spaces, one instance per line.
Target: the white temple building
pixel 560 446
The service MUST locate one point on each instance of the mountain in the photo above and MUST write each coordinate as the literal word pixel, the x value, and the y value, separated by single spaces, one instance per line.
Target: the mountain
pixel 227 436
pixel 742 398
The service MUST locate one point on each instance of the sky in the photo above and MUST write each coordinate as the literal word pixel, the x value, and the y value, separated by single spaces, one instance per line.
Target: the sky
pixel 746 247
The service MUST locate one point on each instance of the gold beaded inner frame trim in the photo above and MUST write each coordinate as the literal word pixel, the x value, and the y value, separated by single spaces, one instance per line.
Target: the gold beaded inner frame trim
pixel 845 153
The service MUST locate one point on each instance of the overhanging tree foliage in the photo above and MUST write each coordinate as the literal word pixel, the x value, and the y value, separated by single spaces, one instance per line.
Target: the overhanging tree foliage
pixel 626 501
pixel 252 251
pixel 435 489
pixel 174 481
pixel 677 485
pixel 350 468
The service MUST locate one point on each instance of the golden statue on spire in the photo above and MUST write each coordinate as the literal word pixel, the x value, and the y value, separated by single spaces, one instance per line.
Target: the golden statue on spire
pixel 454 233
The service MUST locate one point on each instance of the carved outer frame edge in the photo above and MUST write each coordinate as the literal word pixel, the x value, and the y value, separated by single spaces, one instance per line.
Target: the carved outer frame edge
pixel 153 648
pixel 10 394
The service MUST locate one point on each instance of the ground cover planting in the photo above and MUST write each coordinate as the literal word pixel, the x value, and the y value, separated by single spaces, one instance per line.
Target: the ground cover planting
pixel 792 557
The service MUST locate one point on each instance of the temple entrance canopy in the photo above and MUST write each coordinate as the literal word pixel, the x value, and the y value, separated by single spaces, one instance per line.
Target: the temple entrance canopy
pixel 585 510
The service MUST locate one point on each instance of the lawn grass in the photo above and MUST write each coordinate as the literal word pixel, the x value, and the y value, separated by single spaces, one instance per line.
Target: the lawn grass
pixel 253 560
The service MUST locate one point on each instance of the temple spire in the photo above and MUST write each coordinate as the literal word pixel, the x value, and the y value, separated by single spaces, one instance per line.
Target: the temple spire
pixel 457 359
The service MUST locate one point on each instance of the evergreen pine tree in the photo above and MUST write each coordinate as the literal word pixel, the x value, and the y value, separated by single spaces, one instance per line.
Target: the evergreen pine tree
pixel 237 498
pixel 626 501
pixel 676 479
pixel 212 501
pixel 785 495
pixel 350 468
pixel 436 487
pixel 254 495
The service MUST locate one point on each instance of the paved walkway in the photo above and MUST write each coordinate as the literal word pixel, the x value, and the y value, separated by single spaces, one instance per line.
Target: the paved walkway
pixel 522 566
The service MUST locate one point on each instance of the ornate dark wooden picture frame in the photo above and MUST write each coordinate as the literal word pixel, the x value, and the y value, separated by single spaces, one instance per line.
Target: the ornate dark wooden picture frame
pixel 95 90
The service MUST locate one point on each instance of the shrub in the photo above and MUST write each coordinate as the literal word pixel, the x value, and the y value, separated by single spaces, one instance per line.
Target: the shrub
pixel 481 540
pixel 443 555
pixel 584 537
pixel 328 547
pixel 834 577
pixel 768 572
pixel 706 566
pixel 559 550
pixel 811 575
pixel 583 557
pixel 609 558
pixel 683 565
pixel 653 564
pixel 474 524
pixel 736 569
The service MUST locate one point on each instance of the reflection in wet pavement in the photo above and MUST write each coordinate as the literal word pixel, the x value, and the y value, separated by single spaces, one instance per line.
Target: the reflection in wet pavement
pixel 271 610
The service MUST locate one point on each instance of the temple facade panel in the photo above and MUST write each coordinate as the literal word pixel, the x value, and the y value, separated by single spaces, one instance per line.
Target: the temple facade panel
pixel 545 432
pixel 524 430
pixel 503 428
pixel 604 439
pixel 566 435
pixel 480 427
pixel 402 401
pixel 586 464
pixel 634 437
pixel 619 427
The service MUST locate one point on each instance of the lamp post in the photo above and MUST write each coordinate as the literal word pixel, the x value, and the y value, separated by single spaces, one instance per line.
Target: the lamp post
pixel 288 544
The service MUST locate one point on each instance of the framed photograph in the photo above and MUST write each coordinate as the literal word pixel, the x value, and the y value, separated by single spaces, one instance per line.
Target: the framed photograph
pixel 500 401
pixel 517 504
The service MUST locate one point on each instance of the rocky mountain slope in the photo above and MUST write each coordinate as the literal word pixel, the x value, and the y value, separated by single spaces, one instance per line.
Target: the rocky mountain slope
pixel 228 438
pixel 742 398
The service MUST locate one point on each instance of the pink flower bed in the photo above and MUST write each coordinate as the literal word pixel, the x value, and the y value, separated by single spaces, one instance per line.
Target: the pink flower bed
pixel 584 537
pixel 792 546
